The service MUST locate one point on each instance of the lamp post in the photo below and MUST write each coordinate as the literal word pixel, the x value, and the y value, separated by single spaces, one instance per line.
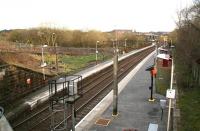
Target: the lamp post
pixel 170 99
pixel 138 39
pixel 125 46
pixel 55 49
pixel 56 57
pixel 43 63
pixel 96 51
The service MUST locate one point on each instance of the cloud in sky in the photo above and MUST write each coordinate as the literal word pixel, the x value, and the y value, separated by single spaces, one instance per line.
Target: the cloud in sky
pixel 140 15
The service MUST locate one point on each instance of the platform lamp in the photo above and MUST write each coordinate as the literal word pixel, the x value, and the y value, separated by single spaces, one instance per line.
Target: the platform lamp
pixel 43 64
pixel 153 72
pixel 53 37
pixel 124 46
pixel 96 51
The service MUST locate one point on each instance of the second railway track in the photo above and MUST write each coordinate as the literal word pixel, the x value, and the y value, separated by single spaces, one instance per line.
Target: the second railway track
pixel 95 87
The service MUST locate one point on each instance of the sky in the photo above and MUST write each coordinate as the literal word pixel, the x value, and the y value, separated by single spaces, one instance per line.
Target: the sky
pixel 103 15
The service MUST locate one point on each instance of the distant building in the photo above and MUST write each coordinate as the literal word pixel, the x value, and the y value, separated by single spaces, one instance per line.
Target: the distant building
pixel 120 32
pixel 164 38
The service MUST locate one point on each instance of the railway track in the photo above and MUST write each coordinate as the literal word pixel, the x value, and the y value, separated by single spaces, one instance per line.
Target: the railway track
pixel 95 87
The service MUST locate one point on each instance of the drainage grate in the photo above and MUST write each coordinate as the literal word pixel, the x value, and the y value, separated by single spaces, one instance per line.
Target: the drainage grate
pixel 102 122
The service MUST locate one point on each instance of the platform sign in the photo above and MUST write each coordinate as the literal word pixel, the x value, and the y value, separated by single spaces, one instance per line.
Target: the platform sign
pixel 170 93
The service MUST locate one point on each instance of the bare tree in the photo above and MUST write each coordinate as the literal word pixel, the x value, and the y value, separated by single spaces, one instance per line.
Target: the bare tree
pixel 188 43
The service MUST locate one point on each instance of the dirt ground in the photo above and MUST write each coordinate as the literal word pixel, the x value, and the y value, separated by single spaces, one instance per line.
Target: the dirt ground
pixel 24 60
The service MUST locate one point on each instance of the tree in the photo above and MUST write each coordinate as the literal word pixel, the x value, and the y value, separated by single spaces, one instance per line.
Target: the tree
pixel 188 43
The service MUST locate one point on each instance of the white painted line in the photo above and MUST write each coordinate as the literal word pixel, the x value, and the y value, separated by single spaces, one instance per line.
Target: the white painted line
pixel 107 100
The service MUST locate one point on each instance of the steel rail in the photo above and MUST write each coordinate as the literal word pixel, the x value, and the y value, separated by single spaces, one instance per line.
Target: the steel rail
pixel 123 70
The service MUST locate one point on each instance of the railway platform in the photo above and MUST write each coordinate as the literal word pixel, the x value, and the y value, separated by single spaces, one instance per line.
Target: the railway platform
pixel 41 95
pixel 135 112
pixel 4 124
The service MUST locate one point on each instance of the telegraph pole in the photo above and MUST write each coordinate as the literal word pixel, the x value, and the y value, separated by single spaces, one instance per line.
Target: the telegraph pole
pixel 115 81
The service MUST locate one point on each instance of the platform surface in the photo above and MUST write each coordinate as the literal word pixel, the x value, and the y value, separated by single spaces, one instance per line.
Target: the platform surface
pixel 4 124
pixel 135 112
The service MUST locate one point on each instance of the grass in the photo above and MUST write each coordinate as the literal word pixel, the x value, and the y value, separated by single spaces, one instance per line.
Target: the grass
pixel 71 64
pixel 189 103
pixel 163 80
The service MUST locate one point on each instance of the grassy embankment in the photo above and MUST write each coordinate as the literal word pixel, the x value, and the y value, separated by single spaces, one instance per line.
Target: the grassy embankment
pixel 189 104
pixel 66 63
pixel 76 63
pixel 189 101
pixel 163 78
pixel 72 64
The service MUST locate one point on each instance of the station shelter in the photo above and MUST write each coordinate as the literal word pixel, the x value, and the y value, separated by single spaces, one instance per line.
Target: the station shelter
pixel 164 58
